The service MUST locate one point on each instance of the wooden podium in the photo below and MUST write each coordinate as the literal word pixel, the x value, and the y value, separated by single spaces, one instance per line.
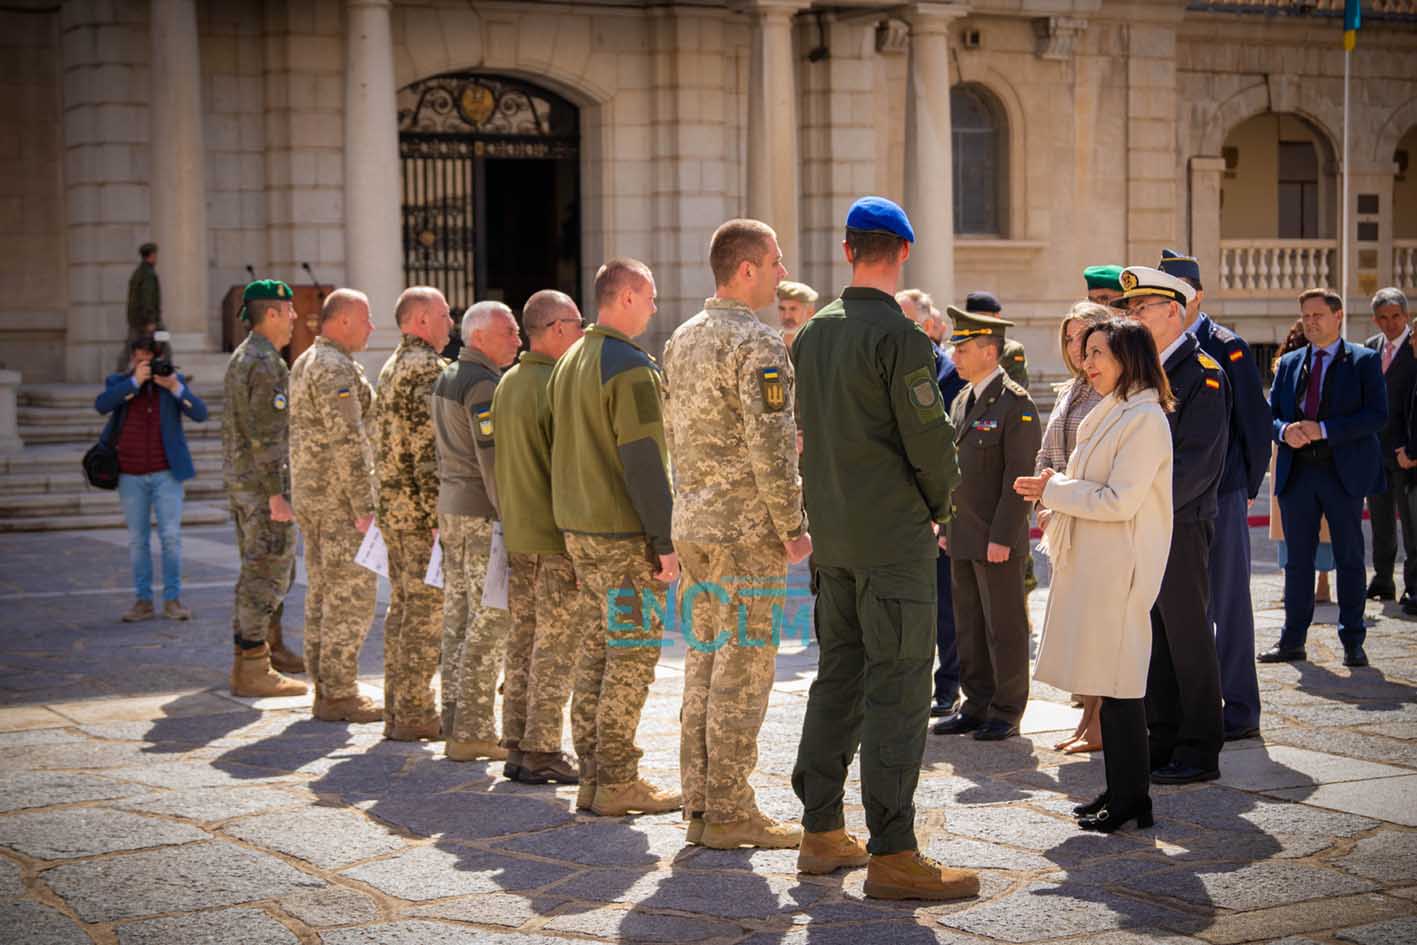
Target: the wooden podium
pixel 308 299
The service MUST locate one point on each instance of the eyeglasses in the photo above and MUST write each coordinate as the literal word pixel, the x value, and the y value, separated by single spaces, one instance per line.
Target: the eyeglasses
pixel 1135 309
pixel 578 322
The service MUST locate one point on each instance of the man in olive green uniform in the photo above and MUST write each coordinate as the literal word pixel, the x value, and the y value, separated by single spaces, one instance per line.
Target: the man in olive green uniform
pixel 610 480
pixel 474 636
pixel 255 442
pixel 144 300
pixel 737 523
pixel 878 468
pixel 334 488
pixel 997 434
pixel 549 616
pixel 407 464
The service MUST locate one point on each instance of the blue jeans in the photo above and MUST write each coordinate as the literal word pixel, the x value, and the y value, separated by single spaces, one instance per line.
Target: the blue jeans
pixel 141 497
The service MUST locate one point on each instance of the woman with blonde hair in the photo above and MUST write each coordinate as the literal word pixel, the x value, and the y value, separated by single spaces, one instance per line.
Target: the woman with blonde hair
pixel 1074 401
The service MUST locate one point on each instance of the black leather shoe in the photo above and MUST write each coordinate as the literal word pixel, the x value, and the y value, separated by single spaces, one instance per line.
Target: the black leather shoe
pixel 1092 806
pixel 1380 590
pixel 1409 606
pixel 1240 734
pixel 995 730
pixel 957 724
pixel 1178 773
pixel 1283 654
pixel 944 707
pixel 1109 819
pixel 1352 656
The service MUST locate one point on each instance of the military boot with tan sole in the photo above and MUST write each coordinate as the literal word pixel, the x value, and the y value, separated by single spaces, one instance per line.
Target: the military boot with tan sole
pixel 912 875
pixel 694 833
pixel 354 708
pixel 253 677
pixel 830 850
pixel 429 729
pixel 474 749
pixel 282 658
pixel 585 793
pixel 757 830
pixel 636 797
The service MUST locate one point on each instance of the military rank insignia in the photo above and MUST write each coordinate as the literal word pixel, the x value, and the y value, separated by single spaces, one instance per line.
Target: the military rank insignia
pixel 280 402
pixel 483 416
pixel 1207 361
pixel 774 395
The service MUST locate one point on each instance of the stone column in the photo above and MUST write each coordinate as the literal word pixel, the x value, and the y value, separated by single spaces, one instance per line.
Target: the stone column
pixel 10 413
pixel 178 162
pixel 774 189
pixel 1206 176
pixel 929 161
pixel 371 164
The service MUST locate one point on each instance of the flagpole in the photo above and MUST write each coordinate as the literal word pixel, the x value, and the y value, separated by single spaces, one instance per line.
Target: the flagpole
pixel 1343 242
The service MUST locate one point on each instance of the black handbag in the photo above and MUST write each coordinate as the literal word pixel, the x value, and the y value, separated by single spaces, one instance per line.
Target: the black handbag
pixel 101 465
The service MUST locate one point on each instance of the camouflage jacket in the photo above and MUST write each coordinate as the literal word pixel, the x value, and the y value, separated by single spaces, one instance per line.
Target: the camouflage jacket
pixel 331 461
pixel 255 431
pixel 729 428
pixel 407 459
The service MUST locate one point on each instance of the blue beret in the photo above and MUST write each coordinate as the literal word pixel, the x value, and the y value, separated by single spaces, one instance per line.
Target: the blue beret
pixel 879 215
pixel 1182 267
pixel 982 302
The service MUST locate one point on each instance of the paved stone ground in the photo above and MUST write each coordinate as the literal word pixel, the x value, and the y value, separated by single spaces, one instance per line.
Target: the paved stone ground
pixel 140 804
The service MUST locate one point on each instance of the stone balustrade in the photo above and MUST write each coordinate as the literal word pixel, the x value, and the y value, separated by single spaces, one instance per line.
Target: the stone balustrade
pixel 1372 9
pixel 1404 265
pixel 1256 268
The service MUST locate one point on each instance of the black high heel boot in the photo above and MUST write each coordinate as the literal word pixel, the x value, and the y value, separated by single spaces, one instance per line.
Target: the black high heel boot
pixel 1108 820
pixel 1092 806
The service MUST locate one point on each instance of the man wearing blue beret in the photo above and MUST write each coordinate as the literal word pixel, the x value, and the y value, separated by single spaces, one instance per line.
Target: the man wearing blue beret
pixel 878 470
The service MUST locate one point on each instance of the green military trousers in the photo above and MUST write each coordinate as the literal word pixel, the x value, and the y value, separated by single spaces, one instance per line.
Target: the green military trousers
pixel 876 631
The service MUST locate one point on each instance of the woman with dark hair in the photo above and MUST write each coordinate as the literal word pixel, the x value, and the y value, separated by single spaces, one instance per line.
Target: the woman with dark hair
pixel 1108 535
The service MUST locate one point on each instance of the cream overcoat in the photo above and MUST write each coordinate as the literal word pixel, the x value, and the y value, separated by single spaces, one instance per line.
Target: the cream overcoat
pixel 1108 536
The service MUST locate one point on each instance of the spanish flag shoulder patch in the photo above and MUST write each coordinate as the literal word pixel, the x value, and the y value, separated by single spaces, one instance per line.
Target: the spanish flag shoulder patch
pixel 1212 383
pixel 1237 355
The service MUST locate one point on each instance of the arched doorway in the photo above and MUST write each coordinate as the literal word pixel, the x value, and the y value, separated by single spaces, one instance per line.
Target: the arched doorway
pixel 491 188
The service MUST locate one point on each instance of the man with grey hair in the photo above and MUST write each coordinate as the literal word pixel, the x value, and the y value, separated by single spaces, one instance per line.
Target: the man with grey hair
pixel 1390 509
pixel 408 512
pixel 473 636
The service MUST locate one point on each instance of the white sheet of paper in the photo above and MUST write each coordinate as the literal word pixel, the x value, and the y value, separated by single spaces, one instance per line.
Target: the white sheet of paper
pixel 494 589
pixel 434 576
pixel 373 554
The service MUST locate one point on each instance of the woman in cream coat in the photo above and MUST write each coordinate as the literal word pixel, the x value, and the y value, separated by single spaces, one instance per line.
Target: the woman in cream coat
pixel 1108 533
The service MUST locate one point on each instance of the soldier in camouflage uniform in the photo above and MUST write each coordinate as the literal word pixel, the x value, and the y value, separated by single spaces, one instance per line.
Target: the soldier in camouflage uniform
pixel 610 479
pixel 474 637
pixel 335 490
pixel 255 458
pixel 737 523
pixel 144 301
pixel 550 616
pixel 407 462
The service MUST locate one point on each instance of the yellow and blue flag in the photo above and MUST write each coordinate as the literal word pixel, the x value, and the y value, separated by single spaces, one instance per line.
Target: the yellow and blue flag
pixel 1352 20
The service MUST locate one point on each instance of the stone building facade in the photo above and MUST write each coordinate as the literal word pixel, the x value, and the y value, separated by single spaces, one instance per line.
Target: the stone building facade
pixel 496 147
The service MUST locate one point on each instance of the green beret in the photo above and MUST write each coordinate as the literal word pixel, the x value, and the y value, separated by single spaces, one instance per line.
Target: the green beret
pixel 265 290
pixel 1103 277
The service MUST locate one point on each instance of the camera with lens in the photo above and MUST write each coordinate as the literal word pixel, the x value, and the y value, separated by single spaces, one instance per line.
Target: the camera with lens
pixel 161 362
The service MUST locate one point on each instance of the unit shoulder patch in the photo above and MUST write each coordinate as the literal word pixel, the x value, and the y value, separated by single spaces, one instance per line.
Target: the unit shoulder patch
pixel 774 394
pixel 482 420
pixel 924 394
pixel 280 402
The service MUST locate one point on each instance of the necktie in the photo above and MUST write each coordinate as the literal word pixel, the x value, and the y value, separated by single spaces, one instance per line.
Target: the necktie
pixel 1316 376
pixel 1389 349
pixel 969 404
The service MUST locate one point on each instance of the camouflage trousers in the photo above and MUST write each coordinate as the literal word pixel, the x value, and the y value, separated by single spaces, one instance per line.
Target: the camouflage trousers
pixel 728 670
pixel 412 629
pixel 267 567
pixel 550 618
pixel 474 637
pixel 617 660
pixel 339 604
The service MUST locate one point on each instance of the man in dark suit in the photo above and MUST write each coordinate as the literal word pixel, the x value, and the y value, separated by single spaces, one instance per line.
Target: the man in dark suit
pixel 1399 374
pixel 1183 682
pixel 1329 404
pixel 1246 461
pixel 997 436
pixel 920 308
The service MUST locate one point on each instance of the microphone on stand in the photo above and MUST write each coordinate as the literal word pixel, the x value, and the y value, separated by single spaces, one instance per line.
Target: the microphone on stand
pixel 311 273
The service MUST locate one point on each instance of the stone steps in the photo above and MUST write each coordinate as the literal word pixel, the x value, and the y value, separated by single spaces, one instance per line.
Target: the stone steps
pixel 193 513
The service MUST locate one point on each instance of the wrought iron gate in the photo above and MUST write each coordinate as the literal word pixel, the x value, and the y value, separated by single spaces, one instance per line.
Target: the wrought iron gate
pixel 449 126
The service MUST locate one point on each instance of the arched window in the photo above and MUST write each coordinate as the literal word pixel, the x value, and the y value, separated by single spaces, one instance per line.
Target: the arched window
pixel 980 168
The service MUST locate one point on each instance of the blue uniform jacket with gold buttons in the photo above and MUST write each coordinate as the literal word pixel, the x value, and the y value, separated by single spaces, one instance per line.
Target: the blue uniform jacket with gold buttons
pixel 1200 430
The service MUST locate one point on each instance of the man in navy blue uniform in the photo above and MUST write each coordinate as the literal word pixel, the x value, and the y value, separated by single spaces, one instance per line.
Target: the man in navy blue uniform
pixel 1389 508
pixel 1183 682
pixel 920 308
pixel 1246 460
pixel 1329 404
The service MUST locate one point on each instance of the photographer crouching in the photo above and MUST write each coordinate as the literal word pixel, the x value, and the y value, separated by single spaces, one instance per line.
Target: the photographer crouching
pixel 147 402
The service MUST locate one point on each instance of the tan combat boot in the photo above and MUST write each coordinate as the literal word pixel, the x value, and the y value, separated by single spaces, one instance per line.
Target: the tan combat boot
pixel 636 797
pixel 354 708
pixel 474 749
pixel 756 830
pixel 830 850
pixel 912 875
pixel 429 728
pixel 694 835
pixel 252 676
pixel 585 795
pixel 282 658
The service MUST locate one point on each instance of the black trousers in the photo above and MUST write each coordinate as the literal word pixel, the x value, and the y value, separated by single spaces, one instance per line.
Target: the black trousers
pixel 1124 751
pixel 991 625
pixel 1389 510
pixel 1183 713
